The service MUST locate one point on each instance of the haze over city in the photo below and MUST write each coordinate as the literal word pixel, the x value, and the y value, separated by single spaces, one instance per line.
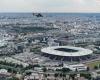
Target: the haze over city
pixel 50 6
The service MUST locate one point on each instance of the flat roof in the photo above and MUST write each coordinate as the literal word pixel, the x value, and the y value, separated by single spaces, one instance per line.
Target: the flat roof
pixel 67 51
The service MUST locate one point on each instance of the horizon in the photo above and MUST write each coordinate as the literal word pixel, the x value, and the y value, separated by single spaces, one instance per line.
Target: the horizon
pixel 50 6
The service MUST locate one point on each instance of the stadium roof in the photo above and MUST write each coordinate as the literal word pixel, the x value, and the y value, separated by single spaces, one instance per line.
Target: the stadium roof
pixel 66 51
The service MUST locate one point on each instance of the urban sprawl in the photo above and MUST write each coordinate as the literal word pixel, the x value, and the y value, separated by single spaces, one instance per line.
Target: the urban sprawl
pixel 22 39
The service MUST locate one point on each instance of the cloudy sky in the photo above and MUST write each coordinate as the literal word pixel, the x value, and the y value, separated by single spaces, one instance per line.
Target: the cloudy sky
pixel 49 5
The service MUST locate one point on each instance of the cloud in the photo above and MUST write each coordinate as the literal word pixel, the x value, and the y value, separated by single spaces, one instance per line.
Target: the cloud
pixel 49 5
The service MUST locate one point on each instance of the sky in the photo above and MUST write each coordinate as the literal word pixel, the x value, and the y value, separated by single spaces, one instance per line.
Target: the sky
pixel 50 6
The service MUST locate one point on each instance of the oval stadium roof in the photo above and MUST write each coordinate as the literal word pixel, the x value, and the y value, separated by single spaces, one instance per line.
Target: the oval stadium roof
pixel 66 51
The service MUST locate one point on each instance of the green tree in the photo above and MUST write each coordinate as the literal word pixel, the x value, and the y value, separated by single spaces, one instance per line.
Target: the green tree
pixel 73 76
pixel 88 68
pixel 95 67
pixel 64 70
pixel 86 75
pixel 28 73
pixel 13 78
pixel 44 69
pixel 56 75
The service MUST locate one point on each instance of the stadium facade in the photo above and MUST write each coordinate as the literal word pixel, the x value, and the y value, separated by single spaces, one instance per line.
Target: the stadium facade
pixel 67 53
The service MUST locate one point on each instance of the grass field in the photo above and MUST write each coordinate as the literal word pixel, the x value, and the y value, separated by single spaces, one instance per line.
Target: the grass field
pixel 93 64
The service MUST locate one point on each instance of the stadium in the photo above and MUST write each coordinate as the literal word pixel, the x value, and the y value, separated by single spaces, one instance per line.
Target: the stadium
pixel 67 53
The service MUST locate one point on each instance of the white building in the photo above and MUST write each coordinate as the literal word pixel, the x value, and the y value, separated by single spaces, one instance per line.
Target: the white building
pixel 34 76
pixel 4 72
pixel 74 67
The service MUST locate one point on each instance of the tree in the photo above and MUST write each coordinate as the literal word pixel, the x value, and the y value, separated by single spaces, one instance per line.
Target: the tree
pixel 56 75
pixel 64 70
pixel 13 78
pixel 86 75
pixel 44 69
pixel 73 76
pixel 95 67
pixel 45 75
pixel 28 73
pixel 60 74
pixel 88 68
pixel 9 70
pixel 64 76
pixel 14 71
pixel 76 70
